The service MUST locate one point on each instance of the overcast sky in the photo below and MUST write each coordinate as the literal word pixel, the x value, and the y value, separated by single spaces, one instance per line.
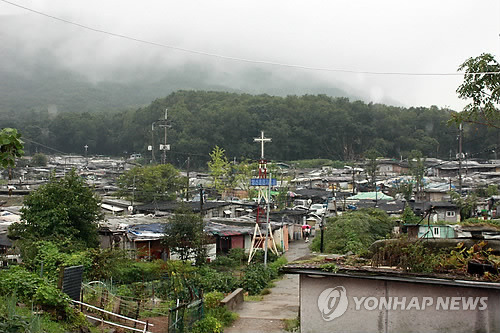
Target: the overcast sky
pixel 362 36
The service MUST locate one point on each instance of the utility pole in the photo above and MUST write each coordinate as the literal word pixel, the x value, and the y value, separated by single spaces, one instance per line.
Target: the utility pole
pixel 267 213
pixel 201 201
pixel 165 141
pixel 460 159
pixel 187 181
pixel 153 142
pixel 86 159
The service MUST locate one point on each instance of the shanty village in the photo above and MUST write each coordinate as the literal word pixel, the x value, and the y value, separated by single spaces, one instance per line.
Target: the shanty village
pixel 152 248
pixel 248 167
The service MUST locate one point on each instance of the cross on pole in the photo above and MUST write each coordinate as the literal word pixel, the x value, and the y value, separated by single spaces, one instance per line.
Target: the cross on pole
pixel 262 140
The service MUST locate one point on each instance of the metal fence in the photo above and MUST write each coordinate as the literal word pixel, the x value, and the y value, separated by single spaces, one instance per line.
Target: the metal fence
pixel 183 316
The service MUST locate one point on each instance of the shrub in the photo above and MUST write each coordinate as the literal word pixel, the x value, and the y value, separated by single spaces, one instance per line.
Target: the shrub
pixel 238 255
pixel 225 262
pixel 208 324
pixel 18 281
pixel 354 231
pixel 51 298
pixel 212 299
pixel 256 278
pixel 259 256
pixel 211 280
pixel 276 265
pixel 130 271
pixel 223 315
pixel 29 287
pixel 406 254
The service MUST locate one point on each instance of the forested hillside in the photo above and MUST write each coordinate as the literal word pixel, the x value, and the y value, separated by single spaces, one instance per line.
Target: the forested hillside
pixel 301 127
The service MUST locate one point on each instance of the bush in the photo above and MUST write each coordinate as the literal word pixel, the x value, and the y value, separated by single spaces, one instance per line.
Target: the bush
pixel 223 315
pixel 211 280
pixel 225 262
pixel 259 256
pixel 212 299
pixel 51 298
pixel 256 278
pixel 208 324
pixel 131 271
pixel 276 265
pixel 354 231
pixel 238 255
pixel 29 287
pixel 18 281
pixel 406 254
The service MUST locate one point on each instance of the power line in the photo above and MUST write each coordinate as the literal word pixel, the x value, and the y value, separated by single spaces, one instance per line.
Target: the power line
pixel 42 145
pixel 237 59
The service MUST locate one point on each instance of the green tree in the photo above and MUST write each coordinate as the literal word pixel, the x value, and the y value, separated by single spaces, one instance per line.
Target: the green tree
pixel 219 168
pixel 242 173
pixel 492 190
pixel 482 85
pixel 64 209
pixel 354 231
pixel 150 183
pixel 467 205
pixel 184 235
pixel 11 147
pixel 39 159
pixel 409 216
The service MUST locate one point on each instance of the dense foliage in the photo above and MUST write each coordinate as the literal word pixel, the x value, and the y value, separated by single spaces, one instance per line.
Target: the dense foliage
pixel 11 147
pixel 184 235
pixel 64 209
pixel 301 127
pixel 481 87
pixel 354 231
pixel 150 183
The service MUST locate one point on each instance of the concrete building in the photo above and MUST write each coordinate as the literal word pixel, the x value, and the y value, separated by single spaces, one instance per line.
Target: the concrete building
pixel 376 300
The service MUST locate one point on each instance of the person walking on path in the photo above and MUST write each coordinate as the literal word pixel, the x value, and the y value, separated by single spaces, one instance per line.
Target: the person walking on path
pixel 306 232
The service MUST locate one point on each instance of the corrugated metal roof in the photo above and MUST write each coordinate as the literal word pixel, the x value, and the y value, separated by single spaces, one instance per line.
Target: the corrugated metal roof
pixel 370 196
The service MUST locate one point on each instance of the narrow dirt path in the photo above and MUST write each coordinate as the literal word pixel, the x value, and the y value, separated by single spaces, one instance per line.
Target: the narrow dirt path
pixel 282 303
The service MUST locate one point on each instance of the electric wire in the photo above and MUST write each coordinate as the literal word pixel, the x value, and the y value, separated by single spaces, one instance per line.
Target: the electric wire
pixel 238 59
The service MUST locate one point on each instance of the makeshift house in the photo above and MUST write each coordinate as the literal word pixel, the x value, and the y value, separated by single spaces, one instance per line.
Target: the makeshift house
pixel 424 230
pixel 391 207
pixel 370 196
pixel 147 240
pixel 7 217
pixel 210 208
pixel 436 211
pixel 238 232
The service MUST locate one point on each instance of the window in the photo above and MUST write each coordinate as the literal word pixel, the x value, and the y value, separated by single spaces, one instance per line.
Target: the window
pixel 215 213
pixel 450 213
pixel 436 232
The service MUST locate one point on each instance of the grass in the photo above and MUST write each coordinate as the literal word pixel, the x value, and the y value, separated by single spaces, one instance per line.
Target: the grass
pixel 312 260
pixel 265 291
pixel 253 298
pixel 292 325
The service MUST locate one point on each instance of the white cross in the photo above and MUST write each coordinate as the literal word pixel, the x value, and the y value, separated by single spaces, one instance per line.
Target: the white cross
pixel 262 140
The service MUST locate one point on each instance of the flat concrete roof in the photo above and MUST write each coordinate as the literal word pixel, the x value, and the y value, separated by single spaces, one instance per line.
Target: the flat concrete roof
pixel 391 275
